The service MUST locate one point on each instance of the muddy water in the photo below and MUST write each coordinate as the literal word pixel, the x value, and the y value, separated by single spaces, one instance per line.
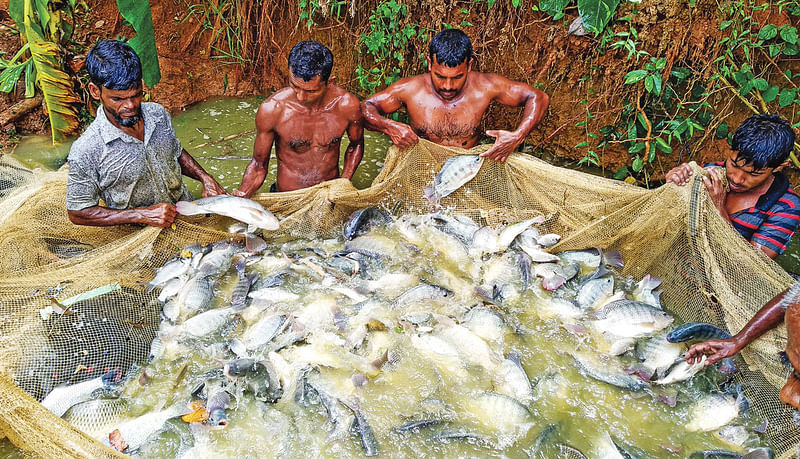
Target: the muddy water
pixel 217 133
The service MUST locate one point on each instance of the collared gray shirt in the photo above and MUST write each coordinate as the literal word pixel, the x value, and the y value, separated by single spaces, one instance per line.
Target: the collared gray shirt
pixel 126 173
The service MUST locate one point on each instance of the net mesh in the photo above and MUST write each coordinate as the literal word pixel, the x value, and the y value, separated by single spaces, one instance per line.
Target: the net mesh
pixel 709 272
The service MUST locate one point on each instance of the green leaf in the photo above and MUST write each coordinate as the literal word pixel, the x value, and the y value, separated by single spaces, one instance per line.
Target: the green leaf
pixel 137 12
pixel 553 7
pixel 722 130
pixel 636 148
pixel 491 3
pixel 621 173
pixel 789 34
pixel 516 3
pixel 595 14
pixel 663 145
pixel 16 9
pixel 656 83
pixel 582 144
pixel 774 50
pixel 635 76
pixel 760 84
pixel 790 49
pixel 768 32
pixel 9 77
pixel 648 83
pixel 57 90
pixel 770 94
pixel 637 164
pixel 786 97
pixel 725 24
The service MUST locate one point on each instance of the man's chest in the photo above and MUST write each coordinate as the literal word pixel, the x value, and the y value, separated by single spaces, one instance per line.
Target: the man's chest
pixel 320 129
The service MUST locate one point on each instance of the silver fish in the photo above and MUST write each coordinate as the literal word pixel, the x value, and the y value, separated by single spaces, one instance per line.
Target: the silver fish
pixel 244 210
pixel 608 371
pixel 172 269
pixel 455 172
pixel 713 411
pixel 591 293
pixel 657 355
pixel 630 319
pixel 97 417
pixel 510 379
pixel 423 292
pixel 136 431
pixel 682 371
pixel 60 399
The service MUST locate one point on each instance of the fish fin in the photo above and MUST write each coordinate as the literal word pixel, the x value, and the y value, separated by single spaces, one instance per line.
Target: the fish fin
pixel 251 228
pixel 649 282
pixel 430 194
pixel 486 293
pixel 642 371
pixel 553 282
pixel 612 258
pixel 188 208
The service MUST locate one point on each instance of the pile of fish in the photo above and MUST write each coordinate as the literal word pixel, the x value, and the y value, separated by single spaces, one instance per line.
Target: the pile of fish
pixel 414 335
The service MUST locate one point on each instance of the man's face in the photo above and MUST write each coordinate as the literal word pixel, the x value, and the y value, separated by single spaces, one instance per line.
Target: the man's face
pixel 308 92
pixel 448 81
pixel 124 106
pixel 744 177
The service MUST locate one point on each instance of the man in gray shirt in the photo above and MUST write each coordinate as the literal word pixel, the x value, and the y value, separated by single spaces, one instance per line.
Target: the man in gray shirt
pixel 129 157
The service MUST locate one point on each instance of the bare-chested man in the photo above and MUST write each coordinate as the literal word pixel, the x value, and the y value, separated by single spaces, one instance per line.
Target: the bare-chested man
pixel 446 105
pixel 306 122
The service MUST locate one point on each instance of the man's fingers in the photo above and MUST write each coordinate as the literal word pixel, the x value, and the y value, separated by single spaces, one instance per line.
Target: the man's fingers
pixel 492 133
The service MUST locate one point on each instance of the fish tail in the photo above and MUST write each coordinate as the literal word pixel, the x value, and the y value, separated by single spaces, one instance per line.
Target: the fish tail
pixel 614 258
pixel 430 194
pixel 188 208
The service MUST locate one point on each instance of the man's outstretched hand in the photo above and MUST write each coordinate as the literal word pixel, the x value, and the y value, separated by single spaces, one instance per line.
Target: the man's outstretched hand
pixel 161 215
pixel 505 144
pixel 715 349
pixel 679 175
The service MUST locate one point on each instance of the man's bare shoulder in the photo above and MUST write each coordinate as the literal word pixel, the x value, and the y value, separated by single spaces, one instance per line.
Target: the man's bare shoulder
pixel 277 100
pixel 346 102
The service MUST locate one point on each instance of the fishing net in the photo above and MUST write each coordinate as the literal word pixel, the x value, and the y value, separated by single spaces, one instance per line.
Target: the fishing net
pixel 709 272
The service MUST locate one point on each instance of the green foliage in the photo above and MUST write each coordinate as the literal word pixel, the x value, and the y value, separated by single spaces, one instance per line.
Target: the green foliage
pixel 137 12
pixel 554 8
pixel 595 14
pixel 309 9
pixel 223 21
pixel 387 44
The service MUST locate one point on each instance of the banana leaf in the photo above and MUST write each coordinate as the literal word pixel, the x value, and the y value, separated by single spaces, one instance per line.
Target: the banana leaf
pixel 12 71
pixel 56 87
pixel 137 12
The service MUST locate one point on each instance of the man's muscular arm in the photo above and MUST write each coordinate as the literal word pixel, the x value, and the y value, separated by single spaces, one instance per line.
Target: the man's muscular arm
pixel 383 103
pixel 190 168
pixel 355 132
pixel 515 94
pixel 161 215
pixel 256 171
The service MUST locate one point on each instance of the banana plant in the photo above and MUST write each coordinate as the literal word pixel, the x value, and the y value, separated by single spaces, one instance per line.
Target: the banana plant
pixel 42 27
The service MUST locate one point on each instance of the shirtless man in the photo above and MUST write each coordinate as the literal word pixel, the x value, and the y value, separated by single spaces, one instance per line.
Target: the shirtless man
pixel 446 105
pixel 306 121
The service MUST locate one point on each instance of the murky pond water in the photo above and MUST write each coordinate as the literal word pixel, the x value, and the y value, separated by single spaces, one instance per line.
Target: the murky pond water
pixel 219 134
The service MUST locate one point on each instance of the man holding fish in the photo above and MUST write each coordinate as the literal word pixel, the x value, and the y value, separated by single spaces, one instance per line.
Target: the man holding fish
pixel 784 307
pixel 446 104
pixel 129 157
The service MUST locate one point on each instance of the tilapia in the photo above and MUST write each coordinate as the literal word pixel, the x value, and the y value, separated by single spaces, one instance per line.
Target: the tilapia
pixel 60 399
pixel 608 371
pixel 423 292
pixel 510 379
pixel 593 292
pixel 713 411
pixel 244 210
pixel 362 220
pixel 682 371
pixel 455 172
pixel 657 355
pixel 696 331
pixel 172 269
pixel 630 319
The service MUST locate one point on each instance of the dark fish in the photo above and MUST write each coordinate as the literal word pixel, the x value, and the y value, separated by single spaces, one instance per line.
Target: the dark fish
pixel 524 263
pixel 364 431
pixel 696 331
pixel 414 426
pixel 242 288
pixel 568 452
pixel 259 377
pixel 447 436
pixel 363 220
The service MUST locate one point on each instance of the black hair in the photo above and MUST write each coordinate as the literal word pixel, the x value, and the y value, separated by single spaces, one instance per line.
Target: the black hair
pixel 451 47
pixel 114 65
pixel 764 141
pixel 310 58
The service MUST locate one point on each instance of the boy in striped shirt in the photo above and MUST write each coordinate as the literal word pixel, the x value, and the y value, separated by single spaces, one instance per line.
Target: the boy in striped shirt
pixel 760 203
